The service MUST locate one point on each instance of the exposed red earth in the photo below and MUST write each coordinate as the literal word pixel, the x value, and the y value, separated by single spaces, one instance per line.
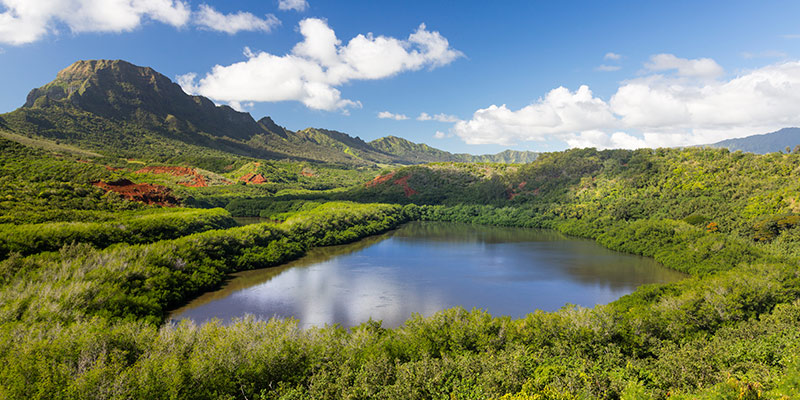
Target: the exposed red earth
pixel 404 183
pixel 252 178
pixel 307 172
pixel 512 192
pixel 144 192
pixel 380 179
pixel 399 181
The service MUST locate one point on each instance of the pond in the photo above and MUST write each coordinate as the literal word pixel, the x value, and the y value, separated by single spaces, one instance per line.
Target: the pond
pixel 425 267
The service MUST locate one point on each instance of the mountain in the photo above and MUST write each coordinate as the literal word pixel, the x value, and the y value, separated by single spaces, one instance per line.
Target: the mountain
pixel 122 110
pixel 762 144
pixel 422 153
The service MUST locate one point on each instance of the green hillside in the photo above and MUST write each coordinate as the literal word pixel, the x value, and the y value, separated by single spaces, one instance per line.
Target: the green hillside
pixel 123 110
pixel 422 153
pixel 89 316
pixel 113 212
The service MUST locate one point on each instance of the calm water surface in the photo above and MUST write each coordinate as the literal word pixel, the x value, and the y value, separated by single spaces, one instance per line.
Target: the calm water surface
pixel 425 267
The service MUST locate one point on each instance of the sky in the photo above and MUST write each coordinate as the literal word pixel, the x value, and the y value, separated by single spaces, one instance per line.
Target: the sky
pixel 463 76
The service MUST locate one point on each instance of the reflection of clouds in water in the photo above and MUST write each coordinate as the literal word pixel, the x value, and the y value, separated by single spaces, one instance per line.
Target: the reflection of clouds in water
pixel 392 276
pixel 345 290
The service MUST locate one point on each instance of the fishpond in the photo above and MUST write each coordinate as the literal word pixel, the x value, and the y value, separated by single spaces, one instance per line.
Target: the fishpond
pixel 425 267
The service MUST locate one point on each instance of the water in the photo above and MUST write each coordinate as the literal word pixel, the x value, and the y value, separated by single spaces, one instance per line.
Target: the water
pixel 424 267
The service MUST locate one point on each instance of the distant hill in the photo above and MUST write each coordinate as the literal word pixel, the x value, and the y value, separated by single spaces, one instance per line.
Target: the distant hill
pixel 422 153
pixel 119 109
pixel 762 144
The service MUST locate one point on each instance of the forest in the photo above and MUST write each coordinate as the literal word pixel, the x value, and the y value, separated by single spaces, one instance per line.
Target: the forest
pixel 88 276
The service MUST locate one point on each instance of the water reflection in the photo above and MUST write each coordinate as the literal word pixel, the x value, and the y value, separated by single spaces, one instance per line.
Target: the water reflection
pixel 427 267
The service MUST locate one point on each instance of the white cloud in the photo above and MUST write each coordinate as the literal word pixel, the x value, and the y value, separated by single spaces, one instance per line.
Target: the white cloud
pixel 26 21
pixel 608 68
pixel 438 117
pixel 297 5
pixel 389 115
pixel 700 68
pixel 440 135
pixel 612 56
pixel 209 18
pixel 314 68
pixel 602 140
pixel 651 111
pixel 560 112
pixel 241 107
pixel 791 36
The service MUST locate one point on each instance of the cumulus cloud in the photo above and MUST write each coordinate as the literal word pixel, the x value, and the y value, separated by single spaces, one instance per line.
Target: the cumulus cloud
pixel 440 135
pixel 603 140
pixel 438 117
pixel 26 21
pixel 612 56
pixel 315 67
pixel 700 68
pixel 650 111
pixel 209 18
pixel 297 5
pixel 559 113
pixel 389 115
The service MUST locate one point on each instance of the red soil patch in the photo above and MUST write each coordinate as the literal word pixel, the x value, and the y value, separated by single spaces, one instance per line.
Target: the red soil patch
pixel 197 181
pixel 404 183
pixel 380 179
pixel 511 193
pixel 308 173
pixel 84 161
pixel 144 192
pixel 253 178
pixel 110 168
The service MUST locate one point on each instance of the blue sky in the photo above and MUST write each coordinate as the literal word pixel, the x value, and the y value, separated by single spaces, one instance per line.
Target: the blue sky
pixel 528 75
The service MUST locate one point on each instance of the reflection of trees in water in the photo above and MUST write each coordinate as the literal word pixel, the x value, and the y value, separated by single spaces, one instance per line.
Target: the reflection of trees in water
pixel 247 279
pixel 545 256
pixel 462 232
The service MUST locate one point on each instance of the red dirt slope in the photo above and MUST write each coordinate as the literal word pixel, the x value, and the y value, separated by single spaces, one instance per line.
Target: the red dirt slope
pixel 380 179
pixel 404 183
pixel 144 192
pixel 252 178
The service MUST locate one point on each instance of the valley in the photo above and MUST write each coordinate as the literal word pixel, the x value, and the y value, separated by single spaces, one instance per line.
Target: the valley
pixel 118 193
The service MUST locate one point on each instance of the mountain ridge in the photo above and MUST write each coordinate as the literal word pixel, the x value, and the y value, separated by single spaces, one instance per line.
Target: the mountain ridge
pixel 119 108
pixel 763 143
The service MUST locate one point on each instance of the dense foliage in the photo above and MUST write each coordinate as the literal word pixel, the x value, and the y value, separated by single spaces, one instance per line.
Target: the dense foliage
pixel 88 322
pixel 138 228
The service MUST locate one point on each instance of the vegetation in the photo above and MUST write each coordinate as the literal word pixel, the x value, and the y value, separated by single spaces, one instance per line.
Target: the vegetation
pixel 87 277
pixel 121 110
pixel 140 228
pixel 420 152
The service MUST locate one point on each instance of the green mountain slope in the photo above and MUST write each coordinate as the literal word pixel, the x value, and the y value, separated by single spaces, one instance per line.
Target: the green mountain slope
pixel 763 144
pixel 422 153
pixel 122 110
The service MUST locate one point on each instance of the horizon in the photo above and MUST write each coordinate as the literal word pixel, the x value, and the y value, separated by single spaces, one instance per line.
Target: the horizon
pixel 420 72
